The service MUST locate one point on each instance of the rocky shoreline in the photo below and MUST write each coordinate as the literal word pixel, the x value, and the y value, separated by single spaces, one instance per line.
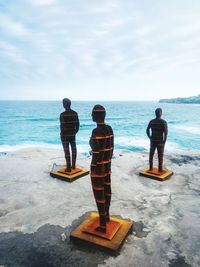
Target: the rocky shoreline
pixel 38 212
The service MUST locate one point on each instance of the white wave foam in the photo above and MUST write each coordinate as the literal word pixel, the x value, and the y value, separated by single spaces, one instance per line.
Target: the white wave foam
pixel 85 148
pixel 132 141
pixel 10 148
pixel 171 147
pixel 189 129
pixel 145 144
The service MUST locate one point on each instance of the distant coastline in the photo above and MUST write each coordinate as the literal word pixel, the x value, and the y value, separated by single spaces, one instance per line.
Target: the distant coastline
pixel 182 100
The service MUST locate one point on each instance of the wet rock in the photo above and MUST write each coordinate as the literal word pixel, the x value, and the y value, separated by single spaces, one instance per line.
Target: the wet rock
pixel 179 262
pixel 184 159
pixel 138 229
pixel 49 246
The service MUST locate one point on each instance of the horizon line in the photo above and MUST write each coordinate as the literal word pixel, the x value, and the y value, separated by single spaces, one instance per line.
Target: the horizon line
pixel 78 100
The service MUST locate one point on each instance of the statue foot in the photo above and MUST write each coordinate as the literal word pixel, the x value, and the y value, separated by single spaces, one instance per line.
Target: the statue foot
pixel 68 169
pixel 107 218
pixel 101 229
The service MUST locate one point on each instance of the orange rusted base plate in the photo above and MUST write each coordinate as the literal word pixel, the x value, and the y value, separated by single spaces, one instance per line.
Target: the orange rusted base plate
pixel 155 174
pixel 61 174
pixel 155 171
pixel 111 228
pixel 73 171
pixel 81 236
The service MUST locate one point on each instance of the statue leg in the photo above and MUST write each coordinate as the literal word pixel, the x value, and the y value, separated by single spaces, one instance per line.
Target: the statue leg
pixel 151 154
pixel 108 193
pixel 160 149
pixel 98 190
pixel 74 154
pixel 65 144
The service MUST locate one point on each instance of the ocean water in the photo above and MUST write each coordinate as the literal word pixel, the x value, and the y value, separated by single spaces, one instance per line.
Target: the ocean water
pixel 36 123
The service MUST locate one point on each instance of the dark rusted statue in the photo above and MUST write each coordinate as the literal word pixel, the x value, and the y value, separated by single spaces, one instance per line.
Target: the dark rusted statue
pixel 69 126
pixel 158 137
pixel 102 144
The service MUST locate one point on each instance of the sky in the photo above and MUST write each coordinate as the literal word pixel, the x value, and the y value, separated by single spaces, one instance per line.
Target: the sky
pixel 99 50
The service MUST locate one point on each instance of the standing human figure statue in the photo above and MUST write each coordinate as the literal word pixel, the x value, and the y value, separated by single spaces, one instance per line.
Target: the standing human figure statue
pixel 158 137
pixel 102 144
pixel 69 126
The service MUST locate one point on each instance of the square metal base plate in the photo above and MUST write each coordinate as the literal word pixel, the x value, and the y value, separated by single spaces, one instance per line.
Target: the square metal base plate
pixel 155 174
pixel 111 228
pixel 61 174
pixel 110 242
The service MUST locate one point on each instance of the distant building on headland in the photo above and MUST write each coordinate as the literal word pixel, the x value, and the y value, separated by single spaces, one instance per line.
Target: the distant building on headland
pixel 182 100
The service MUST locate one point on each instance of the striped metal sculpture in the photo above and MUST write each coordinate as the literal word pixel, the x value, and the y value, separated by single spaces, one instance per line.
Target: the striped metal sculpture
pixel 69 126
pixel 157 131
pixel 102 144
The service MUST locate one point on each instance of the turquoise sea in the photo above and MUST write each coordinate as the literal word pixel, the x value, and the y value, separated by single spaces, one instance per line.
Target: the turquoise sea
pixel 36 123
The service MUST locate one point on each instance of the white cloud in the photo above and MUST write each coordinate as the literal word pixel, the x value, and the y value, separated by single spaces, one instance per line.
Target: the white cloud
pixel 12 27
pixel 43 2
pixel 16 57
pixel 145 30
pixel 100 33
pixel 42 42
pixel 114 22
pixel 7 46
pixel 105 7
pixel 93 42
pixel 12 53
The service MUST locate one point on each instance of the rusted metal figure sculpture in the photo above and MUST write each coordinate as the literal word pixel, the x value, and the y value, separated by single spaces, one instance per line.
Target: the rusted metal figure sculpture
pixel 69 126
pixel 158 137
pixel 102 144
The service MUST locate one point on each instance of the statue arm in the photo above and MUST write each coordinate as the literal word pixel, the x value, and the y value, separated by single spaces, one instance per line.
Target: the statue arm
pixel 61 122
pixel 77 124
pixel 148 131
pixel 94 144
pixel 112 141
pixel 165 131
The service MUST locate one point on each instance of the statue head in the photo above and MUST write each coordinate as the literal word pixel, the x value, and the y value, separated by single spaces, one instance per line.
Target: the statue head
pixel 158 113
pixel 98 114
pixel 66 103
